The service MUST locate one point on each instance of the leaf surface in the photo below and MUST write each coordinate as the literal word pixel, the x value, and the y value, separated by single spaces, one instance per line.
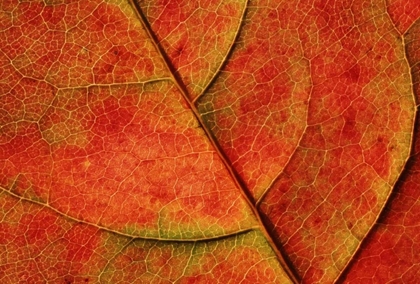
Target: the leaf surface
pixel 208 141
pixel 392 246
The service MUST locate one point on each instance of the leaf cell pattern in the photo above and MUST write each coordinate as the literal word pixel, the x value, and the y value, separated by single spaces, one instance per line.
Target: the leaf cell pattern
pixel 210 141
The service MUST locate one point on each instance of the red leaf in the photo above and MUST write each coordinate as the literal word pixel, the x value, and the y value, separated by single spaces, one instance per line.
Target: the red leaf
pixel 209 141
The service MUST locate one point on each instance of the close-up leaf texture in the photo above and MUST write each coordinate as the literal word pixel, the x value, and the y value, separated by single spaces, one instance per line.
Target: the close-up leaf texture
pixel 209 141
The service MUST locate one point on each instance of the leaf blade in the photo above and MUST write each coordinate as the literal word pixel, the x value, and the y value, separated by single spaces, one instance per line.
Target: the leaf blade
pixel 83 134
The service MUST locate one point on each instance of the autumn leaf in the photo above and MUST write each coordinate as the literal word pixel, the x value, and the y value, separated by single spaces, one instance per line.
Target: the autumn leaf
pixel 209 141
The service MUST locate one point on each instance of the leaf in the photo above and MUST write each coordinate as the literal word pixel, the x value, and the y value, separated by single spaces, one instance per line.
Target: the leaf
pixel 208 141
pixel 392 245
